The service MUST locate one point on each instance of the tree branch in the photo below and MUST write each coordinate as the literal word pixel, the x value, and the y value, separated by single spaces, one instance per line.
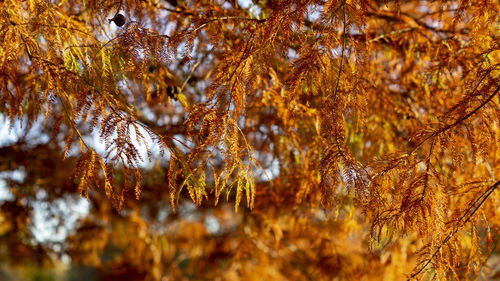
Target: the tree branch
pixel 461 222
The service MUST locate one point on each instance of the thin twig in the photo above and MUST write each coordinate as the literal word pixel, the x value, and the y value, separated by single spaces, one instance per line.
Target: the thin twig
pixel 428 165
pixel 457 122
pixel 335 94
pixel 14 24
pixel 117 11
pixel 189 76
pixel 341 60
pixel 394 32
pixel 444 129
pixel 226 18
pixel 461 222
pixel 72 123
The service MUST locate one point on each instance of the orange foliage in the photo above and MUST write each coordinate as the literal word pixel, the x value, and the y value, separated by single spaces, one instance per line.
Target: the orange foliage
pixel 353 140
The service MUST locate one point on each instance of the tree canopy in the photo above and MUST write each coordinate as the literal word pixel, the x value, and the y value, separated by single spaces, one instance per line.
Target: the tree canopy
pixel 252 140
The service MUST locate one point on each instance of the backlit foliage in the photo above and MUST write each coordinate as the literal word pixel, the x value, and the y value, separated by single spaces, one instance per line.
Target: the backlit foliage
pixel 337 139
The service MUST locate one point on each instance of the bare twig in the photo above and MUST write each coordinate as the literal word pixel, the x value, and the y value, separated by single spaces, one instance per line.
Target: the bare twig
pixel 226 18
pixel 189 76
pixel 117 11
pixel 394 32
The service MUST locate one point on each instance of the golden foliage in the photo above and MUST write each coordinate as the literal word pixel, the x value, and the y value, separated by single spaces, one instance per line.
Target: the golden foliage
pixel 373 122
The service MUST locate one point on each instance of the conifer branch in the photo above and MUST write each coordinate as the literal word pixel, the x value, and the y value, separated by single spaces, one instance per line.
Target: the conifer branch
pixel 335 94
pixel 442 130
pixel 427 168
pixel 457 122
pixel 72 123
pixel 250 103
pixel 469 213
pixel 22 37
pixel 341 56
